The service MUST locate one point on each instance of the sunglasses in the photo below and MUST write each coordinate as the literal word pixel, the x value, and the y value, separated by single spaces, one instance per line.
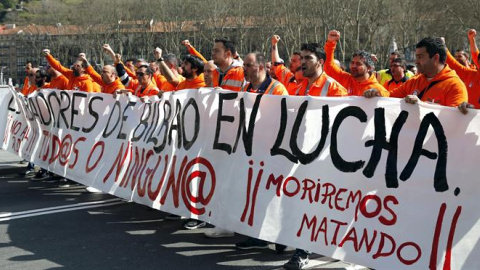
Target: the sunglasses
pixel 140 74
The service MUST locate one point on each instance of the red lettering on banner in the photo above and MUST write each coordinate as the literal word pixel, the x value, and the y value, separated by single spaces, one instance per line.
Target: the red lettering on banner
pixel 119 162
pixel 386 245
pixel 89 168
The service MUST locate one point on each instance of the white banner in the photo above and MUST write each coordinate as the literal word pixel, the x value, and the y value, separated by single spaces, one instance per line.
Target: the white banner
pixel 376 182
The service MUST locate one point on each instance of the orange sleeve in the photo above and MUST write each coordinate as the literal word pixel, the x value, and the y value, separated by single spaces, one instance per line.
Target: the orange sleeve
pixel 94 75
pixel 462 71
pixel 130 73
pixel 193 51
pixel 330 68
pixel 25 86
pixel 475 58
pixel 402 90
pixel 283 73
pixel 56 65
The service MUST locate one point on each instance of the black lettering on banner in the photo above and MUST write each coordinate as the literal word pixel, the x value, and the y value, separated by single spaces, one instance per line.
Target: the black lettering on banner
pixel 223 118
pixel 153 127
pixel 305 158
pixel 121 135
pixel 177 127
pixel 42 97
pixel 65 95
pixel 440 177
pixel 188 143
pixel 341 164
pixel 55 118
pixel 28 112
pixel 33 109
pixel 276 150
pixel 380 143
pixel 74 111
pixel 93 113
pixel 116 108
pixel 247 134
pixel 164 126
pixel 10 108
pixel 147 110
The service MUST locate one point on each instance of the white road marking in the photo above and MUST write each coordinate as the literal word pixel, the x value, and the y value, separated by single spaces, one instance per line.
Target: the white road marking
pixel 59 209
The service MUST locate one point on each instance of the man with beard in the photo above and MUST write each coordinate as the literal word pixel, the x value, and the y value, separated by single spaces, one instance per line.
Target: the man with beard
pixel 436 83
pixel 385 75
pixel 462 57
pixel 77 77
pixel 192 67
pixel 361 76
pixel 31 82
pixel 57 81
pixel 316 82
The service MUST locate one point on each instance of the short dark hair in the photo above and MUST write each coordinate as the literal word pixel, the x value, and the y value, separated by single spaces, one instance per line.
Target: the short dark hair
pixel 367 57
pixel 400 61
pixel 148 70
pixel 195 62
pixel 314 48
pixel 134 60
pixel 434 45
pixel 43 74
pixel 464 53
pixel 228 44
pixel 297 53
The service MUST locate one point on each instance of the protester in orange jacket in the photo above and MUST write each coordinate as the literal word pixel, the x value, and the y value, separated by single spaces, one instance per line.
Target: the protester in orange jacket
pixel 398 70
pixel 108 81
pixel 259 81
pixel 292 76
pixel 57 79
pixel 168 64
pixel 30 83
pixel 78 79
pixel 193 68
pixel 316 82
pixel 26 81
pixel 436 82
pixel 470 77
pixel 361 76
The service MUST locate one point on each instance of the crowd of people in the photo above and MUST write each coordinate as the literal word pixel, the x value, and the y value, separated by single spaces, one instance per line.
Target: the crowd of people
pixel 437 77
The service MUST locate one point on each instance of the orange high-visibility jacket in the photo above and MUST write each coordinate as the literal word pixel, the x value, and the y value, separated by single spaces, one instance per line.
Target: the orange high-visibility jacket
pixel 392 84
pixel 60 83
pixel 198 82
pixel 353 87
pixel 446 88
pixel 323 86
pixel 83 82
pixel 291 84
pixel 26 86
pixel 105 88
pixel 269 87
pixel 470 77
pixel 150 90
pixel 232 79
pixel 165 85
pixel 29 90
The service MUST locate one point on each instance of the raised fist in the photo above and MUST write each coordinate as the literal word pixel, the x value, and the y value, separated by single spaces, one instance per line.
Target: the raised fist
pixel 334 35
pixel 275 39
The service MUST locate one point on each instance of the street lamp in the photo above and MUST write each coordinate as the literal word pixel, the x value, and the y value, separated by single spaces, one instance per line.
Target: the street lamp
pixel 1 76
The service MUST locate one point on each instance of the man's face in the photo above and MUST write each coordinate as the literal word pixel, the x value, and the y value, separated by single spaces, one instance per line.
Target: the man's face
pixel 251 68
pixel 187 71
pixel 154 66
pixel 208 73
pixel 424 63
pixel 31 75
pixel 130 66
pixel 397 70
pixel 28 67
pixel 78 69
pixel 461 58
pixel 219 53
pixel 392 57
pixel 295 62
pixel 108 76
pixel 358 68
pixel 143 77
pixel 309 63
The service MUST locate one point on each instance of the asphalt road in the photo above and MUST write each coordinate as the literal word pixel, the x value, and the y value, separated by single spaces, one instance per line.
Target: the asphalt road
pixel 43 226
